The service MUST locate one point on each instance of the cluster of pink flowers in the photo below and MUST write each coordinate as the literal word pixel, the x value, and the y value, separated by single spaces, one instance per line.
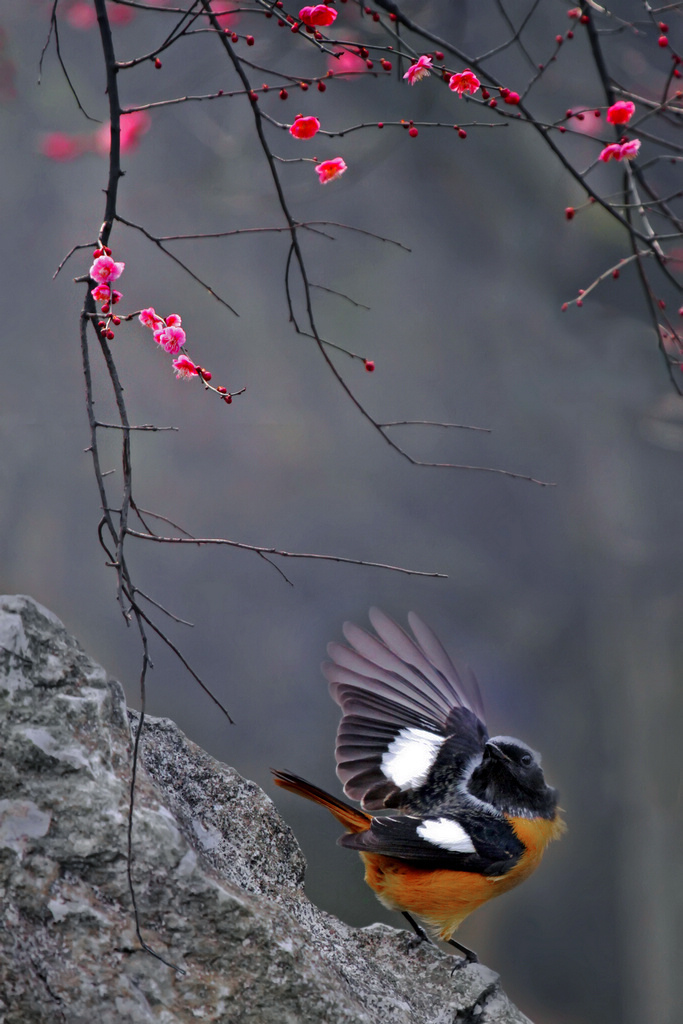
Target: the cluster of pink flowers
pixel 167 332
pixel 306 128
pixel 319 16
pixel 620 151
pixel 62 146
pixel 103 271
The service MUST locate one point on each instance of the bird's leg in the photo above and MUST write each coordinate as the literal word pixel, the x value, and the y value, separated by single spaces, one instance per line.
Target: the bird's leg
pixel 469 954
pixel 419 931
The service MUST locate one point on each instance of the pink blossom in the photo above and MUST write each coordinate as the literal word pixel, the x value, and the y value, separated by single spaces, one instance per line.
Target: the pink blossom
pixel 101 293
pixel 104 270
pixel 347 61
pixel 621 112
pixel 464 81
pixel 328 170
pixel 304 127
pixel 226 15
pixel 629 150
pixel 133 127
pixel 184 368
pixel 419 70
pixel 620 151
pixel 115 296
pixel 609 152
pixel 148 318
pixel 318 16
pixel 62 147
pixel 170 339
pixel 81 15
pixel 173 320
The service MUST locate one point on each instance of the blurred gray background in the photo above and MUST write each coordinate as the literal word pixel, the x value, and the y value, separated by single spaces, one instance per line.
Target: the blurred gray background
pixel 566 601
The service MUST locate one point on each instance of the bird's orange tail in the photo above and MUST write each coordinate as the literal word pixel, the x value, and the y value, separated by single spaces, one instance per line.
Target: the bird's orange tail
pixel 352 819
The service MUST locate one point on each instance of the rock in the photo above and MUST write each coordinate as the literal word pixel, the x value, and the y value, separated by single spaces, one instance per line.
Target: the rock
pixel 218 876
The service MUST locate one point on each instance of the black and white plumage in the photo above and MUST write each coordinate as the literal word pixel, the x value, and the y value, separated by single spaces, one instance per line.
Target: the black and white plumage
pixel 413 738
pixel 403 702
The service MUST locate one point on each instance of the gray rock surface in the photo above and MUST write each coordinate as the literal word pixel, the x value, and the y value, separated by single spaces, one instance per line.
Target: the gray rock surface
pixel 218 876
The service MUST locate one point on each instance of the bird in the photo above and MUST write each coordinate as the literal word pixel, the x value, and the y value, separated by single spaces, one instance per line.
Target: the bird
pixel 469 817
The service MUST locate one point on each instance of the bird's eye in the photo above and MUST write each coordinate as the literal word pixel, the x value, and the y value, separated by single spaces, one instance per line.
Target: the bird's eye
pixel 526 760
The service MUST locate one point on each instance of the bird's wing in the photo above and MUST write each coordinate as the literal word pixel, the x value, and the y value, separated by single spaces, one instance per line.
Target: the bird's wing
pixel 406 710
pixel 456 840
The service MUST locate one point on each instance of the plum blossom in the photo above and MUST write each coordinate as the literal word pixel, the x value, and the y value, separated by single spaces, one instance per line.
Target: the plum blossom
pixel 629 150
pixel 149 318
pixel 304 127
pixel 170 338
pixel 464 81
pixel 319 16
pixel 328 170
pixel 133 127
pixel 81 15
pixel 609 152
pixel 419 70
pixel 620 151
pixel 62 147
pixel 185 368
pixel 173 320
pixel 104 270
pixel 101 293
pixel 621 112
pixel 347 61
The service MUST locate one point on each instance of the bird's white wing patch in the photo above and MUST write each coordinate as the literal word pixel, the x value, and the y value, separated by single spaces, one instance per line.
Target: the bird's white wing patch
pixel 409 757
pixel 446 834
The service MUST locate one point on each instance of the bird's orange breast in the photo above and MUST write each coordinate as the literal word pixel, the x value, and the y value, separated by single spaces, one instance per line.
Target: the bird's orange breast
pixel 444 898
